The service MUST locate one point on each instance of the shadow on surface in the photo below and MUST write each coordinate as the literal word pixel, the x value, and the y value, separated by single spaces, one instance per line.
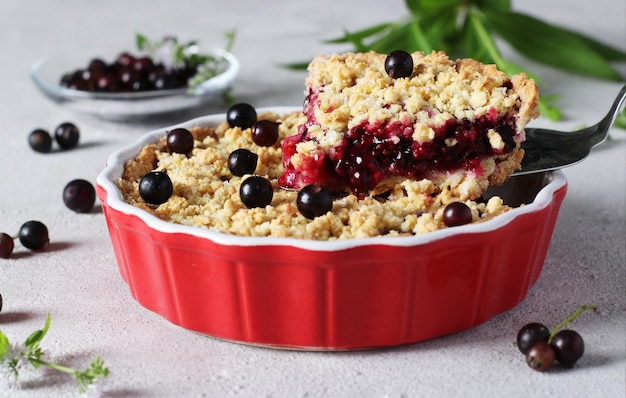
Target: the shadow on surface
pixel 15 316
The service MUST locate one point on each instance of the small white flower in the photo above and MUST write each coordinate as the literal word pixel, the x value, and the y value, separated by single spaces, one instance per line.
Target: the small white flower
pixel 15 358
pixel 95 390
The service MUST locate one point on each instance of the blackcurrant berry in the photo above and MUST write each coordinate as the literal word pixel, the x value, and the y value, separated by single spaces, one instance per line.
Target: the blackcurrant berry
pixel 166 81
pixel 242 161
pixel 540 356
pixel 141 85
pixel 0 302
pixel 33 235
pixel 241 115
pixel 180 140
pixel 127 76
pixel 97 66
pixel 125 59
pixel 530 334
pixel 67 135
pixel 568 346
pixel 156 187
pixel 78 84
pixel 79 195
pixel 143 64
pixel 256 191
pixel 457 213
pixel 313 201
pixel 6 245
pixel 399 64
pixel 107 82
pixel 40 140
pixel 265 132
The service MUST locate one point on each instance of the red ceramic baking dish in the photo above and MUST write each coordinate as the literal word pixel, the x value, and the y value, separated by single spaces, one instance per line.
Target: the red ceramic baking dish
pixel 330 295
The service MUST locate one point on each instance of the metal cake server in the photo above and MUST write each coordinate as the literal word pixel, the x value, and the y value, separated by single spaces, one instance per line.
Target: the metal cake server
pixel 547 150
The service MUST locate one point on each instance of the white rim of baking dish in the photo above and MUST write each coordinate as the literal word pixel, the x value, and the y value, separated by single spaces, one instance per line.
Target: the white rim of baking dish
pixel 108 178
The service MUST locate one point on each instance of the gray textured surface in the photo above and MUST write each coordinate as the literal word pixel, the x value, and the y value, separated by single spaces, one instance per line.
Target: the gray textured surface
pixel 77 282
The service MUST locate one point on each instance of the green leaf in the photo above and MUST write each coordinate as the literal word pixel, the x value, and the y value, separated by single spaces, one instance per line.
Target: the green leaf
pixel 418 39
pixel 141 41
pixel 230 36
pixel 484 38
pixel 356 41
pixel 419 6
pixel 35 338
pixel 440 27
pixel 608 52
pixel 399 38
pixel 297 65
pixel 360 34
pixel 549 44
pixel 500 5
pixel 472 44
pixel 4 344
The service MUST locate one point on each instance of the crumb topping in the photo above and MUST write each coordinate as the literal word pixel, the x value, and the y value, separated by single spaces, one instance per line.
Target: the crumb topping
pixel 206 195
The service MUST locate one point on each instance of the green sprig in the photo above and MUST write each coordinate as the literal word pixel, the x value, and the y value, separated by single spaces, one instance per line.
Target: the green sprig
pixel 470 28
pixel 14 357
pixel 185 54
pixel 568 321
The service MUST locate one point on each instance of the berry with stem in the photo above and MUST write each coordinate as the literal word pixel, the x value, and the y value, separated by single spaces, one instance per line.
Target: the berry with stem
pixel 543 347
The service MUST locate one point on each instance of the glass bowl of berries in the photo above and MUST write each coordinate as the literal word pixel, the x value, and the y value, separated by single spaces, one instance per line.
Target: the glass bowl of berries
pixel 204 236
pixel 160 77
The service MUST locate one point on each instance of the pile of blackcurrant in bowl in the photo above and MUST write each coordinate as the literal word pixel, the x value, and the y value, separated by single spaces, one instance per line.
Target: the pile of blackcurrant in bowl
pixel 127 73
pixel 158 77
pixel 156 65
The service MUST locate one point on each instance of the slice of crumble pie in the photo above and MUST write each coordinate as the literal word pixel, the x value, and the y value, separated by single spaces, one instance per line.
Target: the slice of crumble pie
pixel 458 123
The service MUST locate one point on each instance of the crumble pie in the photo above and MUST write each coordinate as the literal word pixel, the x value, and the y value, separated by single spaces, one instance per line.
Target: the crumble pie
pixel 394 152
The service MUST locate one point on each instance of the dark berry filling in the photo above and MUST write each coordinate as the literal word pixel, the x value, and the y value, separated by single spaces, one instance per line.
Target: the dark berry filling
pixel 370 153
